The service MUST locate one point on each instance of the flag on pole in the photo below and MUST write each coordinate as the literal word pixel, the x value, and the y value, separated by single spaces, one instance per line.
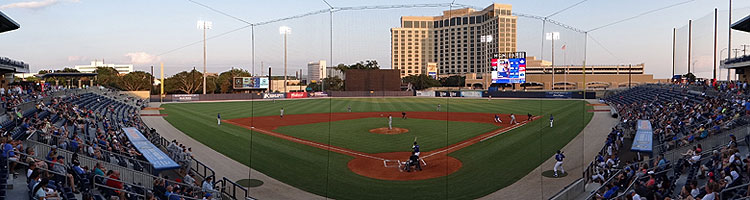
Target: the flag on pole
pixel 563 47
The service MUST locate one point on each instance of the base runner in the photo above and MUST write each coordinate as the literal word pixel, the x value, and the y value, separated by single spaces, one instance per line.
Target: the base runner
pixel 513 119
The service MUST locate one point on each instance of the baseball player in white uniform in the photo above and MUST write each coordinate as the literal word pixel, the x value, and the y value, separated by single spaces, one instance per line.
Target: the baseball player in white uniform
pixel 390 122
pixel 281 113
pixel 513 119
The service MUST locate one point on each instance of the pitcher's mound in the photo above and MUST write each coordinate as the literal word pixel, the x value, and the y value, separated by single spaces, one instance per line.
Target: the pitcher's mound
pixel 385 130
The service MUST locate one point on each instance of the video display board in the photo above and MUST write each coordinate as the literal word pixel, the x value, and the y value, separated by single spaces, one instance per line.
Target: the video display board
pixel 510 70
pixel 250 82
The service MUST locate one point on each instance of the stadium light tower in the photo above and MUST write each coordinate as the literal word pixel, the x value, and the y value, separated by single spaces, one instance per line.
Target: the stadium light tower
pixel 205 25
pixel 553 36
pixel 285 30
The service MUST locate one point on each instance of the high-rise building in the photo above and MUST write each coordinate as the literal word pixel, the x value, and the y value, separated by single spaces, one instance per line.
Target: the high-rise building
pixel 122 69
pixel 460 41
pixel 316 70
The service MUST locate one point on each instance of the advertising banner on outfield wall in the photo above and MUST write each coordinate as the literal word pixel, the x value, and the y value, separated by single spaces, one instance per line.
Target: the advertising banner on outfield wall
pixel 296 95
pixel 559 95
pixel 425 93
pixel 471 93
pixel 318 94
pixel 273 96
pixel 448 94
pixel 185 97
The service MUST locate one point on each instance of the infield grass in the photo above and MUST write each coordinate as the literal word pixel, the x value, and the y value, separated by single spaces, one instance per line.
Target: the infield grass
pixel 487 166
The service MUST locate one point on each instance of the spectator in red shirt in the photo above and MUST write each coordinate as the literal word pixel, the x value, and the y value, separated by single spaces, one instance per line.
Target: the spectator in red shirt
pixel 114 182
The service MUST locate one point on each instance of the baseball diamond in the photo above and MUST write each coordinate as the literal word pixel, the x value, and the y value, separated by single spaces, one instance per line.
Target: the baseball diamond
pixel 321 147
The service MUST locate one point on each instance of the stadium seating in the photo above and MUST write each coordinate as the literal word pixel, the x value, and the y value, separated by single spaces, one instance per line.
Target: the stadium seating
pixel 695 133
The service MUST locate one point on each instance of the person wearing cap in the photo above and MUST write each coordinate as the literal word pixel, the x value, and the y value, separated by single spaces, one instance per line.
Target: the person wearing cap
pixel 651 180
pixel 207 196
pixel 558 165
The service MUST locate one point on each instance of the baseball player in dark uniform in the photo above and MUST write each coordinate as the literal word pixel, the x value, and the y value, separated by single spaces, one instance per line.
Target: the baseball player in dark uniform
pixel 497 119
pixel 403 115
pixel 559 157
pixel 415 149
pixel 413 161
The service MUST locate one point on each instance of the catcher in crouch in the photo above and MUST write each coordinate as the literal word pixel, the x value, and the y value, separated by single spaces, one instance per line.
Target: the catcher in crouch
pixel 413 161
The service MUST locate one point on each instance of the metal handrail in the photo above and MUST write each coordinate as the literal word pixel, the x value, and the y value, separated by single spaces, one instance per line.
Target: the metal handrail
pixel 146 165
pixel 127 175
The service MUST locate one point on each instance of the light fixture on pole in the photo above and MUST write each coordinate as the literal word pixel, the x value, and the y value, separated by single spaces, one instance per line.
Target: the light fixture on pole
pixel 205 25
pixel 553 36
pixel 284 30
pixel 487 76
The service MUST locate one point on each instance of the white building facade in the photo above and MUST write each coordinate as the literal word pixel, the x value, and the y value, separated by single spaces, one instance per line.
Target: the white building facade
pixel 121 68
pixel 316 71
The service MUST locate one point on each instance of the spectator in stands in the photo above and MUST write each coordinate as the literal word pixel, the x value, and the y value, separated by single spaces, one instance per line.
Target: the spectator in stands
pixel 113 181
pixel 41 192
pixel 9 153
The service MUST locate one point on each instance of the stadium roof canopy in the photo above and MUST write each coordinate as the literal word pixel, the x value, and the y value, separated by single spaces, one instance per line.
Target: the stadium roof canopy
pixel 7 24
pixel 742 25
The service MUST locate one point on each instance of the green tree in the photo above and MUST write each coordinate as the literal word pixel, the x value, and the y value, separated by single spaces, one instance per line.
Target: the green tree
pixel 226 79
pixel 315 87
pixel 67 70
pixel 420 82
pixel 136 81
pixel 107 76
pixel 453 81
pixel 184 82
pixel 367 64
pixel 333 83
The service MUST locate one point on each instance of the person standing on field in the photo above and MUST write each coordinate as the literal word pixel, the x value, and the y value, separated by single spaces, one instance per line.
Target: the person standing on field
pixel 551 120
pixel 218 118
pixel 349 108
pixel 390 122
pixel 438 108
pixel 403 115
pixel 281 112
pixel 513 119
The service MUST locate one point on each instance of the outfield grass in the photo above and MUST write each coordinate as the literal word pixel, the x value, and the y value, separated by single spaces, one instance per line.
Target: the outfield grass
pixel 487 166
pixel 355 135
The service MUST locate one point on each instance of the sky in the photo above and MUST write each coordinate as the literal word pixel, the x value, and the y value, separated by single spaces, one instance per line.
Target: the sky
pixel 63 33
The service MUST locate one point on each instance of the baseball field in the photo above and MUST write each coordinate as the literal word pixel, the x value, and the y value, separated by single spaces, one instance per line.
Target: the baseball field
pixel 321 147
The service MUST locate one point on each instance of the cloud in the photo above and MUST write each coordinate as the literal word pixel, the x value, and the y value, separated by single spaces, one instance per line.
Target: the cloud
pixel 75 58
pixel 141 58
pixel 35 4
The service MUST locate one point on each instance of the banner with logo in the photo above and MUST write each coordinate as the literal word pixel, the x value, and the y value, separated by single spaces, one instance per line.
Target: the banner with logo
pixel 471 93
pixel 273 95
pixel 296 95
pixel 318 94
pixel 185 97
pixel 425 93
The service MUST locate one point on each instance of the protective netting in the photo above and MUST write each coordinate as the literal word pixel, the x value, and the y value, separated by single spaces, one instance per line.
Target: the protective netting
pixel 702 59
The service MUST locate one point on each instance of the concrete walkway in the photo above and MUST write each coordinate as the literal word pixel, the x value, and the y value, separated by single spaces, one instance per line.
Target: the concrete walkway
pixel 579 152
pixel 223 165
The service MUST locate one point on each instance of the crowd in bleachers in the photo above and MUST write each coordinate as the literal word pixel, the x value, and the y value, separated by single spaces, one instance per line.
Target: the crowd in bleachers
pixel 87 125
pixel 680 117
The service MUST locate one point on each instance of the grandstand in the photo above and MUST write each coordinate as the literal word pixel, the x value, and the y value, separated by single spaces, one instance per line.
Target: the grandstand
pixel 700 135
pixel 76 139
